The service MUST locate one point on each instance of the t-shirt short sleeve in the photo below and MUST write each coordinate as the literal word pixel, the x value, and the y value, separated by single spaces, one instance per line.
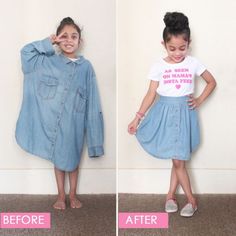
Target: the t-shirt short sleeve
pixel 154 72
pixel 200 68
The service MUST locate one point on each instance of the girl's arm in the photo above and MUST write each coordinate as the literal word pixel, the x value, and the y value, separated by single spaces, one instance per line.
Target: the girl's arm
pixel 33 54
pixel 94 117
pixel 211 84
pixel 146 103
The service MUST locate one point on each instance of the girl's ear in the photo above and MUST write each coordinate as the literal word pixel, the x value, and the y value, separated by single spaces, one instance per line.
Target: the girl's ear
pixel 163 43
pixel 81 44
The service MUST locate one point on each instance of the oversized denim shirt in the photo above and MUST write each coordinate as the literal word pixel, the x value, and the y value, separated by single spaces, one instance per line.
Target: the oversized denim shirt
pixel 60 107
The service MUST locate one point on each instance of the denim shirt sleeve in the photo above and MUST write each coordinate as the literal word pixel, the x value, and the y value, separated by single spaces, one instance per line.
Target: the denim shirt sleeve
pixel 94 119
pixel 33 54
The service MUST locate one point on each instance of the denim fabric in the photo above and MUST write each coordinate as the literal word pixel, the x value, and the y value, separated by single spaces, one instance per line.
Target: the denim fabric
pixel 60 107
pixel 170 130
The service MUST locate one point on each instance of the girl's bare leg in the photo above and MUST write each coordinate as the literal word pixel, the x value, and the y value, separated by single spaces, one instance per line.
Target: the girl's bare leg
pixel 184 181
pixel 60 178
pixel 173 184
pixel 73 178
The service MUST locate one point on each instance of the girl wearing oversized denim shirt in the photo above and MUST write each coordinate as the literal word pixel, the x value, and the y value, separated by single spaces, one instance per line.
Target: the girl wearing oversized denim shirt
pixel 60 105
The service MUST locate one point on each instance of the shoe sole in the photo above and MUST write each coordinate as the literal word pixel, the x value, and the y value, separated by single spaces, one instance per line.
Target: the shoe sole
pixel 171 211
pixel 189 215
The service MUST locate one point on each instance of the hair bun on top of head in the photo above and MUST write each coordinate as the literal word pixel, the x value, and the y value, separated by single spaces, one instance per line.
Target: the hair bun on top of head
pixel 67 20
pixel 176 21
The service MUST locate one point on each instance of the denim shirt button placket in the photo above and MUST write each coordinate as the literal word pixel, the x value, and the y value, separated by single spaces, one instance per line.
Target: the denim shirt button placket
pixel 176 125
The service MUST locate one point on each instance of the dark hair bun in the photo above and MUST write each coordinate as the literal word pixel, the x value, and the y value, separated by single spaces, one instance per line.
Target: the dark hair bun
pixel 176 21
pixel 67 20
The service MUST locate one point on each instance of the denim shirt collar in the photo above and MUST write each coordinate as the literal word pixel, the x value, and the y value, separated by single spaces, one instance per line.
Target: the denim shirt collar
pixel 66 60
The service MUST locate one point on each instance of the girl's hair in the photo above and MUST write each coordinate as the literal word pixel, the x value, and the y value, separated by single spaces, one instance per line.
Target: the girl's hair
pixel 176 24
pixel 68 21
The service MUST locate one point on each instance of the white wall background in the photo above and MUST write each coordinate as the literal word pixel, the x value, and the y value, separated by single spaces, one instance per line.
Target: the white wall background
pixel 28 20
pixel 140 25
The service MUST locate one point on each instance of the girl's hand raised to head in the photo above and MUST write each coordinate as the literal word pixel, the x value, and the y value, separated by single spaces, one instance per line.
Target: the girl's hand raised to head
pixel 57 39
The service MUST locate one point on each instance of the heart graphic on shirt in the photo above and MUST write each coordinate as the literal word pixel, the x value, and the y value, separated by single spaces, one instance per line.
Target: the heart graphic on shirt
pixel 178 86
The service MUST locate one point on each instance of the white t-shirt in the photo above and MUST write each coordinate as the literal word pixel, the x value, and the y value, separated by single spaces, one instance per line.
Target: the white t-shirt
pixel 177 79
pixel 73 59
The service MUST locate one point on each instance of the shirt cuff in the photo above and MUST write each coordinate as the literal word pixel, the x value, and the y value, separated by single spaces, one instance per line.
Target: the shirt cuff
pixel 48 47
pixel 95 151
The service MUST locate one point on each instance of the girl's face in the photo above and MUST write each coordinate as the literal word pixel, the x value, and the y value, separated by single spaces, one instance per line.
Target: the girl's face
pixel 177 49
pixel 70 41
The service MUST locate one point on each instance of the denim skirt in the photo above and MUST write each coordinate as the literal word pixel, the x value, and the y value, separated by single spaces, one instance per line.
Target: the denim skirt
pixel 170 130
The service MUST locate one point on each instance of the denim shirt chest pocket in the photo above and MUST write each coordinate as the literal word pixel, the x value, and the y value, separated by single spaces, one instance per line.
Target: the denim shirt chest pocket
pixel 47 86
pixel 80 100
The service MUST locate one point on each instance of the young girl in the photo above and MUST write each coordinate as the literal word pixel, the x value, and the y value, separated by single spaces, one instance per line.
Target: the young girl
pixel 170 130
pixel 60 104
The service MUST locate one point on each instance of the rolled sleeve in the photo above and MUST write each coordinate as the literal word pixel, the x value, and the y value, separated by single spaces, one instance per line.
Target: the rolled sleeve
pixel 96 151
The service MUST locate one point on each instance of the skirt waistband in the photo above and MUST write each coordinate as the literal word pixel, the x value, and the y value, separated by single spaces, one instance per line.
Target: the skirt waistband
pixel 166 99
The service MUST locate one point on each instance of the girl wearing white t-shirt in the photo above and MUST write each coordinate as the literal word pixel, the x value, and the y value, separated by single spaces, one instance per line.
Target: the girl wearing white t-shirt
pixel 170 130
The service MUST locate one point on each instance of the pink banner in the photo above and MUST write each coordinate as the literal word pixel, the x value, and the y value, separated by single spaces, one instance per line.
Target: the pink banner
pixel 25 220
pixel 143 220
